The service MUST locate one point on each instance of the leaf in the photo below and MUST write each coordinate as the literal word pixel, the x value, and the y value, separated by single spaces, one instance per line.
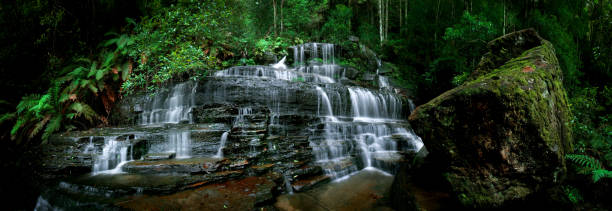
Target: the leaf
pixel 93 88
pixel 100 74
pixel 108 58
pixel 7 116
pixel 54 125
pixel 92 70
pixel 84 110
pixel 125 70
pixel 39 126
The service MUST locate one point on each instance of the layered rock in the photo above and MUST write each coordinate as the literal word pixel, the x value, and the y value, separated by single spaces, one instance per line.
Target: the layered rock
pixel 290 129
pixel 501 137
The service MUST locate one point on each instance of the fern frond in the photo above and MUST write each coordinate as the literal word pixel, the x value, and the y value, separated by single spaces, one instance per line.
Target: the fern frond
pixel 83 60
pixel 27 102
pixel 54 125
pixel 20 122
pixel 39 126
pixel 108 58
pixel 585 161
pixel 7 116
pixel 101 73
pixel 125 70
pixel 83 109
pixel 600 174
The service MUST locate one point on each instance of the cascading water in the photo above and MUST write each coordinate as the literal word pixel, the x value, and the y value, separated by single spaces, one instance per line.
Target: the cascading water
pixel 173 107
pixel 222 145
pixel 286 116
pixel 179 142
pixel 367 104
pixel 114 156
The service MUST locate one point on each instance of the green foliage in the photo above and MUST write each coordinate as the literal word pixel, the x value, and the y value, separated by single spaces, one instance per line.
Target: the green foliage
pixel 65 103
pixel 466 42
pixel 338 26
pixel 190 38
pixel 271 45
pixel 591 122
pixel 572 194
pixel 589 165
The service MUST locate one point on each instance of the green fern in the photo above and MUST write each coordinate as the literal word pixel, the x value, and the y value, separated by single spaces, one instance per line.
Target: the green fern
pixel 590 165
pixel 53 126
pixel 7 116
pixel 62 105
pixel 600 174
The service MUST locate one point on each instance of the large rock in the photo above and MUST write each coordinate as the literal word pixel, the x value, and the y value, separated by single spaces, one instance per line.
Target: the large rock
pixel 501 137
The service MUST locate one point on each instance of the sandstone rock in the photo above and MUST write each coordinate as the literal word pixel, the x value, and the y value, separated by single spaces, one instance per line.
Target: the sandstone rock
pixel 501 137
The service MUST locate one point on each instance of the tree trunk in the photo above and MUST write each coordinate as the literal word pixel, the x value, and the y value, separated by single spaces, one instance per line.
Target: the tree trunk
pixel 504 27
pixel 274 6
pixel 387 20
pixel 380 21
pixel 281 16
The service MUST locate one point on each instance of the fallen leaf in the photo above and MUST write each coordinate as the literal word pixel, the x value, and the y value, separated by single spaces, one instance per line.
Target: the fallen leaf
pixel 528 69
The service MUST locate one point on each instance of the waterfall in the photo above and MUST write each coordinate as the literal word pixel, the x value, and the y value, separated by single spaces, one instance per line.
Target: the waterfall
pixel 173 107
pixel 383 82
pixel 222 145
pixel 270 72
pixel 367 104
pixel 179 142
pixel 411 105
pixel 288 187
pixel 114 156
pixel 323 97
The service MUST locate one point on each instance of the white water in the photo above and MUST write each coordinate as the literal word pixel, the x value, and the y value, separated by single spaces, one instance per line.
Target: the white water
pixel 355 122
pixel 114 156
pixel 288 186
pixel 383 82
pixel 325 100
pixel 179 142
pixel 366 103
pixel 280 64
pixel 173 107
pixel 268 72
pixel 222 145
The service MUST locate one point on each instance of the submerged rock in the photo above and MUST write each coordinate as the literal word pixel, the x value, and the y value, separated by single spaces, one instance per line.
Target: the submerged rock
pixel 501 137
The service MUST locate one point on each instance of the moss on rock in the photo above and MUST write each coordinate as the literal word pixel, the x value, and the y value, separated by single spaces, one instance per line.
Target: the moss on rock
pixel 501 136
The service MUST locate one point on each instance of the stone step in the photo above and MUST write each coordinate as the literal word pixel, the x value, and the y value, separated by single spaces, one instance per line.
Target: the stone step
pixel 159 156
pixel 189 166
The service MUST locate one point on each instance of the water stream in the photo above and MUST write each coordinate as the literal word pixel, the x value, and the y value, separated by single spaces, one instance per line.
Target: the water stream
pixel 268 110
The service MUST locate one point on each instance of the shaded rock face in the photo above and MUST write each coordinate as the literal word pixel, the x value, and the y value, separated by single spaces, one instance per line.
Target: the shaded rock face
pixel 501 137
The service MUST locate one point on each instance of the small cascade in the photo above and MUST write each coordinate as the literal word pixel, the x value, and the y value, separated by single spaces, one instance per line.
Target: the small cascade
pixel 270 72
pixel 240 120
pixel 173 107
pixel 90 148
pixel 281 64
pixel 179 142
pixel 383 82
pixel 301 53
pixel 328 53
pixel 114 156
pixel 288 186
pixel 367 104
pixel 411 105
pixel 222 145
pixel 326 103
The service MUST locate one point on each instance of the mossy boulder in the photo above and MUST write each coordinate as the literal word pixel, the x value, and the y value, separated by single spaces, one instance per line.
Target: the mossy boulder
pixel 501 137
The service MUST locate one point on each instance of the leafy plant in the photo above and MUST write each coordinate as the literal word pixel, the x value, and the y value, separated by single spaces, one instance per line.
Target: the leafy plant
pixel 66 104
pixel 572 194
pixel 590 165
